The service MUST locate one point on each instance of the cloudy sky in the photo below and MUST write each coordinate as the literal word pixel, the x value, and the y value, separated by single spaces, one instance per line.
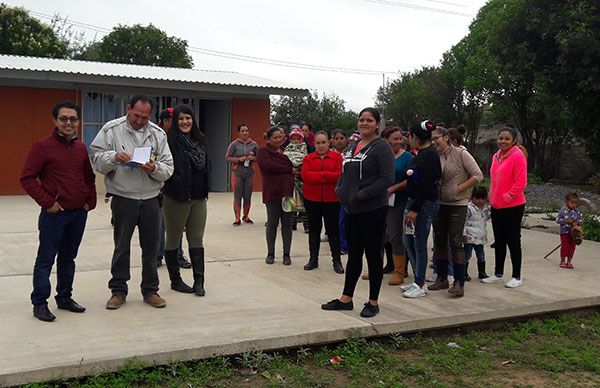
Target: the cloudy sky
pixel 378 35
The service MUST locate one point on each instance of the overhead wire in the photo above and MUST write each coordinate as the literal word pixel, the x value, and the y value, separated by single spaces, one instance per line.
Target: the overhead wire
pixel 418 7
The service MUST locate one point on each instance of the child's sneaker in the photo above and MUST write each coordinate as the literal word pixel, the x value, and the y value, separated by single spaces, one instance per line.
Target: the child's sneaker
pixel 563 265
pixel 415 291
pixel 492 279
pixel 431 278
pixel 569 265
pixel 514 283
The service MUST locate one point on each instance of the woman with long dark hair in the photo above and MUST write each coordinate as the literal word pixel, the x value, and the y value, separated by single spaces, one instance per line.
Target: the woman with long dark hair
pixel 277 182
pixel 423 185
pixel 367 172
pixel 507 199
pixel 185 197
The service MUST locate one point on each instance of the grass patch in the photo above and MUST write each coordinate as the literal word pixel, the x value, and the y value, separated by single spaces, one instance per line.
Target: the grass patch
pixel 563 351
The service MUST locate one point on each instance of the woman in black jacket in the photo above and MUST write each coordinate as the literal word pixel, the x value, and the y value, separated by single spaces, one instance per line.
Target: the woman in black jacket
pixel 185 196
pixel 367 172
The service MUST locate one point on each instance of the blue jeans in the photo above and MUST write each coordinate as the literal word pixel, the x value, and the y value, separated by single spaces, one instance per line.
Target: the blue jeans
pixel 416 244
pixel 60 236
pixel 479 252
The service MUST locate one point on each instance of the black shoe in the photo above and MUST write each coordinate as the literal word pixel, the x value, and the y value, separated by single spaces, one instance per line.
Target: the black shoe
pixel 467 278
pixel 343 252
pixel 70 305
pixel 336 304
pixel 482 275
pixel 287 260
pixel 181 286
pixel 42 313
pixel 159 262
pixel 369 310
pixel 337 266
pixel 312 264
pixel 389 268
pixel 183 262
pixel 270 259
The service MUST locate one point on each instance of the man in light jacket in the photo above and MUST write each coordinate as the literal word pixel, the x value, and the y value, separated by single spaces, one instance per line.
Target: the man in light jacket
pixel 135 189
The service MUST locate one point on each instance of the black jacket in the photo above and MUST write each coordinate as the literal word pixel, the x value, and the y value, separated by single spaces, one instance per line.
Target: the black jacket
pixel 424 183
pixel 366 177
pixel 186 183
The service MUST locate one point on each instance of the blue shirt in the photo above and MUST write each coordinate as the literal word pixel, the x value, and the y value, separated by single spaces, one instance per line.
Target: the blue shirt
pixel 400 167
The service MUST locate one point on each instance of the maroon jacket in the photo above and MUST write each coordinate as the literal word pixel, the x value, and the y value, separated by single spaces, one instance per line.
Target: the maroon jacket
pixel 277 176
pixel 320 176
pixel 57 170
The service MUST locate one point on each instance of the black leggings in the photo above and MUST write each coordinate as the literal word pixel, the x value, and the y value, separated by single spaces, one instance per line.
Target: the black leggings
pixel 506 224
pixel 365 235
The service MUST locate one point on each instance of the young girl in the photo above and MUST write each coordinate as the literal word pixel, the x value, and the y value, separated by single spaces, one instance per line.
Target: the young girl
pixel 475 234
pixel 568 217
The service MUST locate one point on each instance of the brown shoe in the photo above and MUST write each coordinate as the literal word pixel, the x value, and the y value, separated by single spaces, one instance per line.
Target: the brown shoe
pixel 155 300
pixel 115 301
pixel 457 289
pixel 439 285
pixel 365 276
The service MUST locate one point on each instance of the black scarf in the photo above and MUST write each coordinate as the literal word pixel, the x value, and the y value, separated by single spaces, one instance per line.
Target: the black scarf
pixel 193 150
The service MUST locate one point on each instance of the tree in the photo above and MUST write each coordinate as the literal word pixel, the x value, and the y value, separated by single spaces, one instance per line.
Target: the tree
pixel 323 113
pixel 141 46
pixel 21 34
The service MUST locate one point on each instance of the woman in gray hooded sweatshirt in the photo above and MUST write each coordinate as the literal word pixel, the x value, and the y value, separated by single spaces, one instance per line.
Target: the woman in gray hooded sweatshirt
pixel 367 172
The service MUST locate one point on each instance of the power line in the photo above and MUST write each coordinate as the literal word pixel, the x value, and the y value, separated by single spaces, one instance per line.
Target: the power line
pixel 448 3
pixel 419 7
pixel 238 57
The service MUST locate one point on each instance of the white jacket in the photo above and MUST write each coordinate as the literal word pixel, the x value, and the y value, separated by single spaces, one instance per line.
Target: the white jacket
pixel 131 182
pixel 476 224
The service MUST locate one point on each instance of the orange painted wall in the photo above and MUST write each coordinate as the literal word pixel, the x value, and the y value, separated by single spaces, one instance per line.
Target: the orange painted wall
pixel 26 117
pixel 256 114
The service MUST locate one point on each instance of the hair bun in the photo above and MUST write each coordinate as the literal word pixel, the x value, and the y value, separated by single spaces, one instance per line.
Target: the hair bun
pixel 427 126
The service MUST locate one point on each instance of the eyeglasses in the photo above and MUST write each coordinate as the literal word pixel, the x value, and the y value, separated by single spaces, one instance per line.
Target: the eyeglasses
pixel 436 138
pixel 65 119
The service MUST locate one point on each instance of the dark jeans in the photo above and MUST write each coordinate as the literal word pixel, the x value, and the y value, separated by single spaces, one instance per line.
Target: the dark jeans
pixel 274 214
pixel 479 252
pixel 330 212
pixel 127 214
pixel 365 235
pixel 342 227
pixel 60 236
pixel 506 224
pixel 448 227
pixel 416 244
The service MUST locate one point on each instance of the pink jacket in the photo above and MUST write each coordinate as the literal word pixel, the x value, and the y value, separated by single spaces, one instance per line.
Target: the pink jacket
pixel 509 179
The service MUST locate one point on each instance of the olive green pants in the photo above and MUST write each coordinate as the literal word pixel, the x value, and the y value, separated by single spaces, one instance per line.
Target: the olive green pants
pixel 190 216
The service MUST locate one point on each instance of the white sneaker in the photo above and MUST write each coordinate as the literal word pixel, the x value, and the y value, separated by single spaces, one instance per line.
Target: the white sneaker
pixel 408 287
pixel 431 278
pixel 415 292
pixel 450 279
pixel 492 279
pixel 514 283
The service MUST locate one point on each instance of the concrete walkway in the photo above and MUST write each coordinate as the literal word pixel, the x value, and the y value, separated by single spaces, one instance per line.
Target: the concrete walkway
pixel 249 305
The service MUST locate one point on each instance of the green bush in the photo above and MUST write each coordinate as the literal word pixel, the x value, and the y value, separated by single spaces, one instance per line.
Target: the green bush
pixel 591 228
pixel 534 179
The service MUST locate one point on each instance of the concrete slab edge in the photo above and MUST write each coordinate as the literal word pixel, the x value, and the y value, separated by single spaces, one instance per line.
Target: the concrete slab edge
pixel 94 367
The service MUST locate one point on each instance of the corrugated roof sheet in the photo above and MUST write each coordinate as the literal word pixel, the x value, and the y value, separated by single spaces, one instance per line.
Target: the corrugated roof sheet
pixel 68 66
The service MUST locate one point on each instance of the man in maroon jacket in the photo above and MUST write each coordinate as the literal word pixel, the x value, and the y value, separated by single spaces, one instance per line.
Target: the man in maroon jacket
pixel 58 175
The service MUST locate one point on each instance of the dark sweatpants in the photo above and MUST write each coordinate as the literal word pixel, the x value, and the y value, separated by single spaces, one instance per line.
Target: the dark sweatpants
pixel 127 214
pixel 506 224
pixel 365 235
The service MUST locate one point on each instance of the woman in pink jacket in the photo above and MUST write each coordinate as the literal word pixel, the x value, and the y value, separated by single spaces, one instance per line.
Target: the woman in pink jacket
pixel 507 199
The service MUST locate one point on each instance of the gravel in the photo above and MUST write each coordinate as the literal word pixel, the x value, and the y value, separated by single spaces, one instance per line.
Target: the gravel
pixel 551 197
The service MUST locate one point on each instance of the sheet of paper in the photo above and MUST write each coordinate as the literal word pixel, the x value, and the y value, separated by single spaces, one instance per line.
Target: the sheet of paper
pixel 141 155
pixel 391 199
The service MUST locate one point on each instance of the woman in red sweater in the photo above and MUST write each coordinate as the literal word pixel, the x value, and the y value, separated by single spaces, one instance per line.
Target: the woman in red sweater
pixel 507 199
pixel 320 172
pixel 277 182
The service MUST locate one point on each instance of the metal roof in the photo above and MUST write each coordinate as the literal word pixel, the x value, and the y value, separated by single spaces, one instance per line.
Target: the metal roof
pixel 103 72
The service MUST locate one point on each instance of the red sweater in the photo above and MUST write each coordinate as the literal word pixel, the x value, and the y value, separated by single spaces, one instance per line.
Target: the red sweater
pixel 320 176
pixel 509 179
pixel 57 170
pixel 277 176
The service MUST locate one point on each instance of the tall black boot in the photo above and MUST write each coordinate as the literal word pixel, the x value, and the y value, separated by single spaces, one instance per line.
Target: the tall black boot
pixel 197 258
pixel 481 270
pixel 389 255
pixel 177 283
pixel 313 247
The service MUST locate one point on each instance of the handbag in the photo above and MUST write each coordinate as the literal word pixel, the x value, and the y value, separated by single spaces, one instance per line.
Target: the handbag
pixel 294 203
